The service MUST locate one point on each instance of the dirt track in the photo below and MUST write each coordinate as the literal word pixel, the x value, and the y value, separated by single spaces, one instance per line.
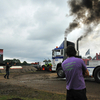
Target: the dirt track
pixel 49 82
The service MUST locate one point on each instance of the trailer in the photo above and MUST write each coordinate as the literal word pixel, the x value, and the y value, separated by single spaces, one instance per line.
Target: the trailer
pixel 58 56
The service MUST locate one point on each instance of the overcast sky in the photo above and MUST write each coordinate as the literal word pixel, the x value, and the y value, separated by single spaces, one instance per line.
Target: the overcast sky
pixel 30 29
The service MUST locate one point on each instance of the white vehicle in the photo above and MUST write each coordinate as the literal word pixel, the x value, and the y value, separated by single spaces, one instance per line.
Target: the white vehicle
pixel 38 65
pixel 58 56
pixel 94 69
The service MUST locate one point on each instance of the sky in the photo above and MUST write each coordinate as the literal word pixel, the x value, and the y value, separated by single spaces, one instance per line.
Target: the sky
pixel 30 29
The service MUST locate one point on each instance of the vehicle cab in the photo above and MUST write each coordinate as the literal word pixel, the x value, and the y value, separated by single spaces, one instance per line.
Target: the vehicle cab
pixel 58 56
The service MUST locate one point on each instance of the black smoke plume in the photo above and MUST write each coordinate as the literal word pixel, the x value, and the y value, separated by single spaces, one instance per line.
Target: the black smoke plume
pixel 86 12
pixel 72 26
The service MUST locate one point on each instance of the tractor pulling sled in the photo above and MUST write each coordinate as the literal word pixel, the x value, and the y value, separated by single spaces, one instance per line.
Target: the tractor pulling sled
pixel 44 66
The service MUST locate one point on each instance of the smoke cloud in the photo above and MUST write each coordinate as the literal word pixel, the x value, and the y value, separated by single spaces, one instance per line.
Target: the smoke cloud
pixel 86 12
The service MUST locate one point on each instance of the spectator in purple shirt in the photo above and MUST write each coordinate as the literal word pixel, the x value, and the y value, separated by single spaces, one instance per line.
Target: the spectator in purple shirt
pixel 75 70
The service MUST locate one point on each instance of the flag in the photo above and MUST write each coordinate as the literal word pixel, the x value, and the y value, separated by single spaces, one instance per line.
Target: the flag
pixel 88 52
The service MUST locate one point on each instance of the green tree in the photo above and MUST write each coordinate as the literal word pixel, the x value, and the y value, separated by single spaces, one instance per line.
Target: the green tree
pixel 24 63
pixel 13 61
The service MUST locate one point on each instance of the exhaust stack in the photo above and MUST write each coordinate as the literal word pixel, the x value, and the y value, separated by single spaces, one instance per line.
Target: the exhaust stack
pixel 78 44
pixel 65 45
pixel 77 48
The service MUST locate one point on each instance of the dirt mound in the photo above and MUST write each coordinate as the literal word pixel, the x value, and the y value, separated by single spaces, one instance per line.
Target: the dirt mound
pixel 27 69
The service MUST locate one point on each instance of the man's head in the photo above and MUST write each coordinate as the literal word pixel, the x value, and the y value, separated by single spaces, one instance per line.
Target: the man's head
pixel 70 51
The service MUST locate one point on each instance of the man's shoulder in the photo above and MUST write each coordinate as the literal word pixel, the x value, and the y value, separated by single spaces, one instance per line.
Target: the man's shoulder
pixel 72 59
pixel 77 58
pixel 66 61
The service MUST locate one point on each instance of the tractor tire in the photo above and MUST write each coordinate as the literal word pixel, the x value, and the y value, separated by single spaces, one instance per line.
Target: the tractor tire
pixel 60 73
pixel 50 69
pixel 97 75
pixel 43 68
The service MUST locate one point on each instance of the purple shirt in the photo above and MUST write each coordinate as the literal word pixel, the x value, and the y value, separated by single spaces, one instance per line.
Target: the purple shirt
pixel 73 68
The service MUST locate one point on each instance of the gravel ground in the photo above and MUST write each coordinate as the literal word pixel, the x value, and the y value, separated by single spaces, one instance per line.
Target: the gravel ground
pixel 47 81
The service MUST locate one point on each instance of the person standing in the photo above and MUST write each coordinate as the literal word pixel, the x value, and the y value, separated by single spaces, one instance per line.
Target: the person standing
pixel 7 71
pixel 75 70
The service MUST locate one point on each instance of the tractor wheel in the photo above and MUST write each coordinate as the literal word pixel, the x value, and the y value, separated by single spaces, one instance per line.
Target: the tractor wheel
pixel 60 73
pixel 50 69
pixel 97 75
pixel 43 67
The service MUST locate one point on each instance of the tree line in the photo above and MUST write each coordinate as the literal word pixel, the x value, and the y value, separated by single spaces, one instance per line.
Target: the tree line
pixel 15 62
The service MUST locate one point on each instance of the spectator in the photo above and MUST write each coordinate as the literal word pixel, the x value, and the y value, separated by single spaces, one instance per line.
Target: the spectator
pixel 75 70
pixel 7 70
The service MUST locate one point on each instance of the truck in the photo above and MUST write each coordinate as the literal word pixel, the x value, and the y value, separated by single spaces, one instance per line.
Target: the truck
pixel 58 56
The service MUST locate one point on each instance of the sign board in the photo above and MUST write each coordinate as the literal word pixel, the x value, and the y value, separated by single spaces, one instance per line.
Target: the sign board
pixel 16 67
